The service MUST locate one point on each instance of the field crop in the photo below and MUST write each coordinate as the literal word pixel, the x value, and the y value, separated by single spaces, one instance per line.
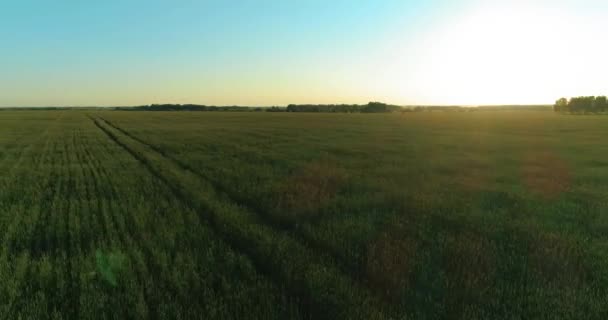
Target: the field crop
pixel 183 215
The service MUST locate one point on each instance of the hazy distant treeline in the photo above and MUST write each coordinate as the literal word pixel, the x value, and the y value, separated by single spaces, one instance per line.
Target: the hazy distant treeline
pixel 588 104
pixel 372 107
pixel 575 105
pixel 185 107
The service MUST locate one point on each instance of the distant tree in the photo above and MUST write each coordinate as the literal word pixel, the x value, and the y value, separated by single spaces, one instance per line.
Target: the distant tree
pixel 379 107
pixel 580 105
pixel 601 104
pixel 561 105
pixel 586 104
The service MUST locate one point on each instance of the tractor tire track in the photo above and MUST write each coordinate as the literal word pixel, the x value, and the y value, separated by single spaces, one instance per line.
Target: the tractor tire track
pixel 290 229
pixel 244 241
pixel 128 234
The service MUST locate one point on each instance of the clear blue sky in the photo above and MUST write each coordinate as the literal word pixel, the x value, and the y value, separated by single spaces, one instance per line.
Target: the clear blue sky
pixel 69 52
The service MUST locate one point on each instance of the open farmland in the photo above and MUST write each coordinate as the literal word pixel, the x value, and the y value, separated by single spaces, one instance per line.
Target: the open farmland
pixel 167 215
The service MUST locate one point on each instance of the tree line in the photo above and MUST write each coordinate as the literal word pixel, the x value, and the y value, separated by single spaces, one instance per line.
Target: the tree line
pixel 185 107
pixel 587 104
pixel 372 107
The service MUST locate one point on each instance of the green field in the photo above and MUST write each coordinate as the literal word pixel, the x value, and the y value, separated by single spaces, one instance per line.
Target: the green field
pixel 202 215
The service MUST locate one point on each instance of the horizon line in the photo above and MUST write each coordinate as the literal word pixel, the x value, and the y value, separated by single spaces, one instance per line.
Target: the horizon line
pixel 281 106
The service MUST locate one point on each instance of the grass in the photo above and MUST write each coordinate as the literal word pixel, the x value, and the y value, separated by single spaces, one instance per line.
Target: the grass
pixel 432 215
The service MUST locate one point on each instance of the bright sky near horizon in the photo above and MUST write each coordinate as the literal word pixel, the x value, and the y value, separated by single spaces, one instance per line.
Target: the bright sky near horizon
pixel 276 52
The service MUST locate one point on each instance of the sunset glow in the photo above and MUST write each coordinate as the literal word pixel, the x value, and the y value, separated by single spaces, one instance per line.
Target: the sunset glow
pixel 513 54
pixel 404 52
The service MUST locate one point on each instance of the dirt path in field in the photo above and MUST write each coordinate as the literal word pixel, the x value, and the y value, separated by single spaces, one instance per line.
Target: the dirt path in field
pixel 321 179
pixel 275 253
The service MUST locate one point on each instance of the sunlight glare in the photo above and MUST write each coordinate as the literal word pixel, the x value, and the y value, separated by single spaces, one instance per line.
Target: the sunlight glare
pixel 513 54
